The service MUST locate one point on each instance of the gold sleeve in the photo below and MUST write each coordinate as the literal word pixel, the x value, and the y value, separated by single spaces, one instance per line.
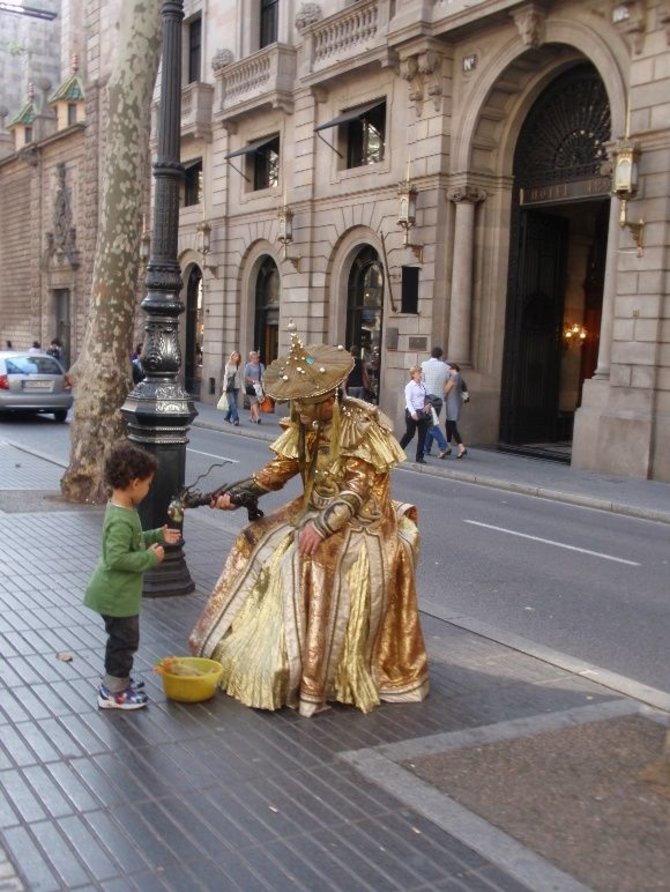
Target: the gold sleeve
pixel 276 473
pixel 347 503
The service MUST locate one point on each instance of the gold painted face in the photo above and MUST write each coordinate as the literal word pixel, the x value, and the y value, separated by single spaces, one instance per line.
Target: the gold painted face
pixel 310 411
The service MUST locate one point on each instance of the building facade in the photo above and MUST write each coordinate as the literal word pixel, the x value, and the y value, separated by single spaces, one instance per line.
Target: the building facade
pixel 397 175
pixel 50 172
pixel 487 175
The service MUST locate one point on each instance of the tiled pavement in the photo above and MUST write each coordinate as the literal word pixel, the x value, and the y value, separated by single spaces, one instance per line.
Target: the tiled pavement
pixel 214 796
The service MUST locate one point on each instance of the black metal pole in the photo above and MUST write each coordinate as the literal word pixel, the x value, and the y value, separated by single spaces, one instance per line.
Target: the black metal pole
pixel 158 410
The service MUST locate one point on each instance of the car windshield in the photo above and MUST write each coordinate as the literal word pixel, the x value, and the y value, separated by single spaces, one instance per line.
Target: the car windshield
pixel 32 365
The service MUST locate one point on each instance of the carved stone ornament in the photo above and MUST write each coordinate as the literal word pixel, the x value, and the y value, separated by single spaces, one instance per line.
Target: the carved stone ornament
pixel 308 14
pixel 30 155
pixel 428 62
pixel 423 72
pixel 530 21
pixel 409 71
pixel 628 16
pixel 472 194
pixel 221 59
pixel 62 242
pixel 664 19
pixel 408 68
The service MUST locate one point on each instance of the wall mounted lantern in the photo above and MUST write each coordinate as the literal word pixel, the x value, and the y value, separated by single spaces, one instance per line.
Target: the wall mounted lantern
pixel 625 181
pixel 285 235
pixel 203 245
pixel 407 194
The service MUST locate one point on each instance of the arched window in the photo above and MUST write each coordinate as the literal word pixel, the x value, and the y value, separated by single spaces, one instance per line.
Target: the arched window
pixel 365 311
pixel 266 325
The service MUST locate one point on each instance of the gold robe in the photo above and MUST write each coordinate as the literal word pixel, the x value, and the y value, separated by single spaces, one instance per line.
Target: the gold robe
pixel 343 624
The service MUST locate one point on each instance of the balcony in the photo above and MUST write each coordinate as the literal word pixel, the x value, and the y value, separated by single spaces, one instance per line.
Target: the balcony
pixel 265 78
pixel 196 111
pixel 354 37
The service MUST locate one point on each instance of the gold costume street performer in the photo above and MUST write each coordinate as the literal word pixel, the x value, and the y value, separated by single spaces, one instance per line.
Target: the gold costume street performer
pixel 317 601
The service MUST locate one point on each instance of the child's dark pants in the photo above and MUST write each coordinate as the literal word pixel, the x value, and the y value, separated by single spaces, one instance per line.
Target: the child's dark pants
pixel 122 642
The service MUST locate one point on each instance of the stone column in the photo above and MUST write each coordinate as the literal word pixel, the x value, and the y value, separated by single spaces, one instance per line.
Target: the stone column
pixel 609 293
pixel 465 198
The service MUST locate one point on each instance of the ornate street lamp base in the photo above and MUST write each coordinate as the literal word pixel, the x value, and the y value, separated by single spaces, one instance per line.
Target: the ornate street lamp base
pixel 169 578
pixel 158 414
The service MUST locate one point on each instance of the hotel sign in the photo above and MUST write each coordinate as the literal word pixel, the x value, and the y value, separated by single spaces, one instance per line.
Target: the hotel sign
pixel 559 193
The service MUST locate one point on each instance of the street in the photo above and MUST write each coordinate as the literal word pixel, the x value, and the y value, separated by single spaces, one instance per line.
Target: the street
pixel 590 584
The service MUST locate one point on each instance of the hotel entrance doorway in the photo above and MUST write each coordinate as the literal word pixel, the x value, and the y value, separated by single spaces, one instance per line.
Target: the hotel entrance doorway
pixel 557 263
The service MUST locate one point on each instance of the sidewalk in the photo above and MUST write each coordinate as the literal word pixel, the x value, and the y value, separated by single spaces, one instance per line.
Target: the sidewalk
pixel 218 797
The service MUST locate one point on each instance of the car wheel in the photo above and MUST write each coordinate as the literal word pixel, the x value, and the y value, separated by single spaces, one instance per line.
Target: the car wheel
pixel 60 414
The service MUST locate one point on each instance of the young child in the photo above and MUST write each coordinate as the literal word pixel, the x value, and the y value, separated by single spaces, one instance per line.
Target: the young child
pixel 115 589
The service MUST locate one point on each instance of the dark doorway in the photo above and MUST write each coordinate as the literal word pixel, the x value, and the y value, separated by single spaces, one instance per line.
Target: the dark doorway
pixel 365 313
pixel 266 325
pixel 557 259
pixel 195 331
pixel 63 333
pixel 533 336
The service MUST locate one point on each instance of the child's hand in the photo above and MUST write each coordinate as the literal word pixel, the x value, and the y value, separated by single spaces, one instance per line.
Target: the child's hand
pixel 158 550
pixel 171 536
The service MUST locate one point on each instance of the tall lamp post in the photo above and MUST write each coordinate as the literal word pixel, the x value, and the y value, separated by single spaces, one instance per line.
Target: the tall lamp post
pixel 158 411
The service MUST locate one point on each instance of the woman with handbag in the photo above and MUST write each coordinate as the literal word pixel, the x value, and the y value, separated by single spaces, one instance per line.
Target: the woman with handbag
pixel 453 397
pixel 253 375
pixel 232 381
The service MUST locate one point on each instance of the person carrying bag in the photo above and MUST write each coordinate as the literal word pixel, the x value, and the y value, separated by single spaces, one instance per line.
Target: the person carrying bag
pixel 253 374
pixel 232 383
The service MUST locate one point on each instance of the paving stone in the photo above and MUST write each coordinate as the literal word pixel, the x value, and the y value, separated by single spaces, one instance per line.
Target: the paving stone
pixel 214 796
pixel 60 854
pixel 22 849
pixel 122 849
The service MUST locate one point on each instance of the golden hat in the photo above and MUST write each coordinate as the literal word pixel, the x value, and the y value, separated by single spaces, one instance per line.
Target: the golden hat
pixel 307 373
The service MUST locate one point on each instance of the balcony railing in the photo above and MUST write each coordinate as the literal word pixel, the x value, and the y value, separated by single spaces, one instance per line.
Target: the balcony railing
pixel 265 78
pixel 353 33
pixel 196 110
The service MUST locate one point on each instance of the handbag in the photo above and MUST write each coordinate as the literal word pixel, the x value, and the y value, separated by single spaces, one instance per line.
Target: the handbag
pixel 267 404
pixel 222 403
pixel 230 383
pixel 435 401
pixel 249 389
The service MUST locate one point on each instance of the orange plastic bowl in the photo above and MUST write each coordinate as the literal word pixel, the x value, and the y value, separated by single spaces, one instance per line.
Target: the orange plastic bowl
pixel 195 688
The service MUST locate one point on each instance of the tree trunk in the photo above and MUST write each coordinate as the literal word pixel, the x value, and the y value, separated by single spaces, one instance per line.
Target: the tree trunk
pixel 102 373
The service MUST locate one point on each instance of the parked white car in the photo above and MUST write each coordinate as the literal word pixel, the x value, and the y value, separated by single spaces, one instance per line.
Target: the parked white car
pixel 33 382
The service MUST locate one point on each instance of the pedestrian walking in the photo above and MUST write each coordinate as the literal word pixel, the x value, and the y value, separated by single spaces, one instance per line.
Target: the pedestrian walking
pixel 55 349
pixel 453 391
pixel 434 432
pixel 115 589
pixel 232 382
pixel 417 420
pixel 357 384
pixel 136 366
pixel 434 373
pixel 253 376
